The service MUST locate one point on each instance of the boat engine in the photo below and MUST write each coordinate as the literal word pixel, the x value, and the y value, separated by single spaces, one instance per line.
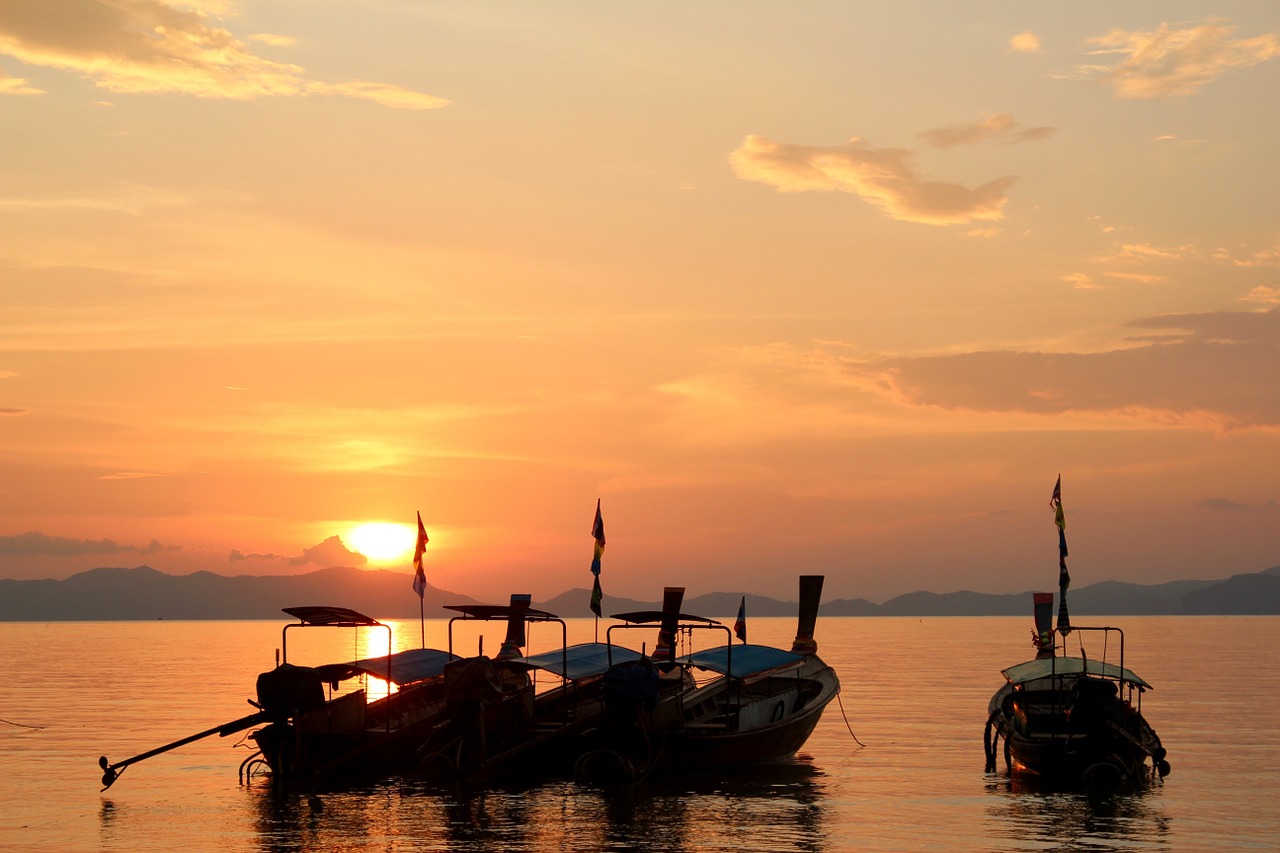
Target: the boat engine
pixel 288 689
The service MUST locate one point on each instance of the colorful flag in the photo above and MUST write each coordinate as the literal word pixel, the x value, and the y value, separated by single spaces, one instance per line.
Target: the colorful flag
pixel 597 533
pixel 1064 578
pixel 419 577
pixel 740 624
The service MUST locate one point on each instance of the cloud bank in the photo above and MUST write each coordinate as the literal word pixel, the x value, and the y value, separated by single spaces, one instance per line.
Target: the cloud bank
pixel 40 545
pixel 330 552
pixel 1216 370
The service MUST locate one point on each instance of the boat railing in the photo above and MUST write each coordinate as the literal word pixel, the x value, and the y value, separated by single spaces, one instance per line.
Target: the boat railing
pixel 490 613
pixel 335 617
pixel 1106 631
pixel 687 625
pixel 1122 676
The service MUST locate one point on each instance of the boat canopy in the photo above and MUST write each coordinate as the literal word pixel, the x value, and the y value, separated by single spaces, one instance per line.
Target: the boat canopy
pixel 747 660
pixel 500 611
pixel 646 617
pixel 337 617
pixel 1050 666
pixel 584 660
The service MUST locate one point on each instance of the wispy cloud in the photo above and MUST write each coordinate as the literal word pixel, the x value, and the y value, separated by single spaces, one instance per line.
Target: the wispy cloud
pixel 1025 42
pixel 883 177
pixel 1263 294
pixel 1174 59
pixel 1140 278
pixel 148 46
pixel 16 85
pixel 272 39
pixel 1268 257
pixel 135 475
pixel 122 198
pixel 1080 281
pixel 1000 127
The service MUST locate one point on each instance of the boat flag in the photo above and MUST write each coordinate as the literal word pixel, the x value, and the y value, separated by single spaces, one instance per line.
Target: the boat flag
pixel 419 577
pixel 1064 578
pixel 740 624
pixel 597 533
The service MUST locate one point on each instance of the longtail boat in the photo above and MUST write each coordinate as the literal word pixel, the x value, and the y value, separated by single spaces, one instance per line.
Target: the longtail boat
pixel 1073 719
pixel 311 732
pixel 711 709
pixel 515 715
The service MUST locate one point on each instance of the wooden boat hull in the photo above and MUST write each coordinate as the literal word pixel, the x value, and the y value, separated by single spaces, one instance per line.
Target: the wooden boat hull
pixel 680 736
pixel 693 751
pixel 1098 746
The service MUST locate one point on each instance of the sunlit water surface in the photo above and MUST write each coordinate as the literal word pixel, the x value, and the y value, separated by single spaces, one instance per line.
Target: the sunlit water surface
pixel 915 693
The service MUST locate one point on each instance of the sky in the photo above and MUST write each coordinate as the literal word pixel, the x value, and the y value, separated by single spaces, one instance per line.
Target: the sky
pixel 833 288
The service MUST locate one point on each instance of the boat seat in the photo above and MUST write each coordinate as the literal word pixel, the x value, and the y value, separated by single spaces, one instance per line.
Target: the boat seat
pixel 344 714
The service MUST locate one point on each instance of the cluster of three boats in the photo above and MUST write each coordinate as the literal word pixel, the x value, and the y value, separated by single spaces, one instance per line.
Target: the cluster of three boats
pixel 595 710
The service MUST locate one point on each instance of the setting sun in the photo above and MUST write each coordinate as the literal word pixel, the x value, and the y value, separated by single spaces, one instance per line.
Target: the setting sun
pixel 381 540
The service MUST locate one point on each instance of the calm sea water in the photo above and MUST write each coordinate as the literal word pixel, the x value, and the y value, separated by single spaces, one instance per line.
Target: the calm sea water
pixel 914 692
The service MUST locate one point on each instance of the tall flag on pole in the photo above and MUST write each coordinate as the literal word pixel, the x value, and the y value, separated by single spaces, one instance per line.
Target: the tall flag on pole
pixel 597 533
pixel 740 624
pixel 1064 579
pixel 419 577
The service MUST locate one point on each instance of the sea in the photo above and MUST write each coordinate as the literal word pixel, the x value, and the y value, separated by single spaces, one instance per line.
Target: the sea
pixel 896 763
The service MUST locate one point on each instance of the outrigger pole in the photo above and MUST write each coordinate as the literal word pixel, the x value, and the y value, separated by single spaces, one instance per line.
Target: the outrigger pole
pixel 111 772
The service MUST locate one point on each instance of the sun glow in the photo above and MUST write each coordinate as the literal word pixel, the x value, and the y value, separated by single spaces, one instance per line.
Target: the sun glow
pixel 382 540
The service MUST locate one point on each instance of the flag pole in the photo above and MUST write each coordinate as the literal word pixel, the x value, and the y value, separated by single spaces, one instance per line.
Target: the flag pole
pixel 420 578
pixel 1064 578
pixel 597 596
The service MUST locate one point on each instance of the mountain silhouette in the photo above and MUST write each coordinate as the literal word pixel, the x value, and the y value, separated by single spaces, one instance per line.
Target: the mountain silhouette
pixel 143 593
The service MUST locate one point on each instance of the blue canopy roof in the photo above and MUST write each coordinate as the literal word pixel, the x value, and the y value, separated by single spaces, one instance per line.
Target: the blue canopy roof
pixel 584 660
pixel 407 666
pixel 747 659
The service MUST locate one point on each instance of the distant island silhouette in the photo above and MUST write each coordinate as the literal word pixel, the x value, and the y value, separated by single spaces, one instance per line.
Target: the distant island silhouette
pixel 143 593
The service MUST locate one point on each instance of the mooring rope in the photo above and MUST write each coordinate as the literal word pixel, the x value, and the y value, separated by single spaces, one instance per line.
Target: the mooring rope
pixel 840 702
pixel 19 725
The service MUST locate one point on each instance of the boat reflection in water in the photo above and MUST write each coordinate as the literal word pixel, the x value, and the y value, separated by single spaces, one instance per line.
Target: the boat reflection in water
pixel 1034 813
pixel 782 807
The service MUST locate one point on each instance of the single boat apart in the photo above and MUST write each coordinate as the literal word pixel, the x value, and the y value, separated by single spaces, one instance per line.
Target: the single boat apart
pixel 1073 719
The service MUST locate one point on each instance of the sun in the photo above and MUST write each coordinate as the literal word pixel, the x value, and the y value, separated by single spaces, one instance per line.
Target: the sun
pixel 383 541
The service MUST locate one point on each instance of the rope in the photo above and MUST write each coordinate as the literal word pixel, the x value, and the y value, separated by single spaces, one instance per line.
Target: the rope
pixel 840 702
pixel 19 725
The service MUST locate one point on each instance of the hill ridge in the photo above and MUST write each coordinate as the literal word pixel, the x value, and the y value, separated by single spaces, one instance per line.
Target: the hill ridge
pixel 143 593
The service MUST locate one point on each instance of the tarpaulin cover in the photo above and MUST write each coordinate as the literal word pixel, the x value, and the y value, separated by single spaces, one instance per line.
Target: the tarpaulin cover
pixel 584 660
pixel 747 660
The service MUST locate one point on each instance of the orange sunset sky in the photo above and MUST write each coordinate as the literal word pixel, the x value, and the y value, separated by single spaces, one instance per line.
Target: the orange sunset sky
pixel 836 287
